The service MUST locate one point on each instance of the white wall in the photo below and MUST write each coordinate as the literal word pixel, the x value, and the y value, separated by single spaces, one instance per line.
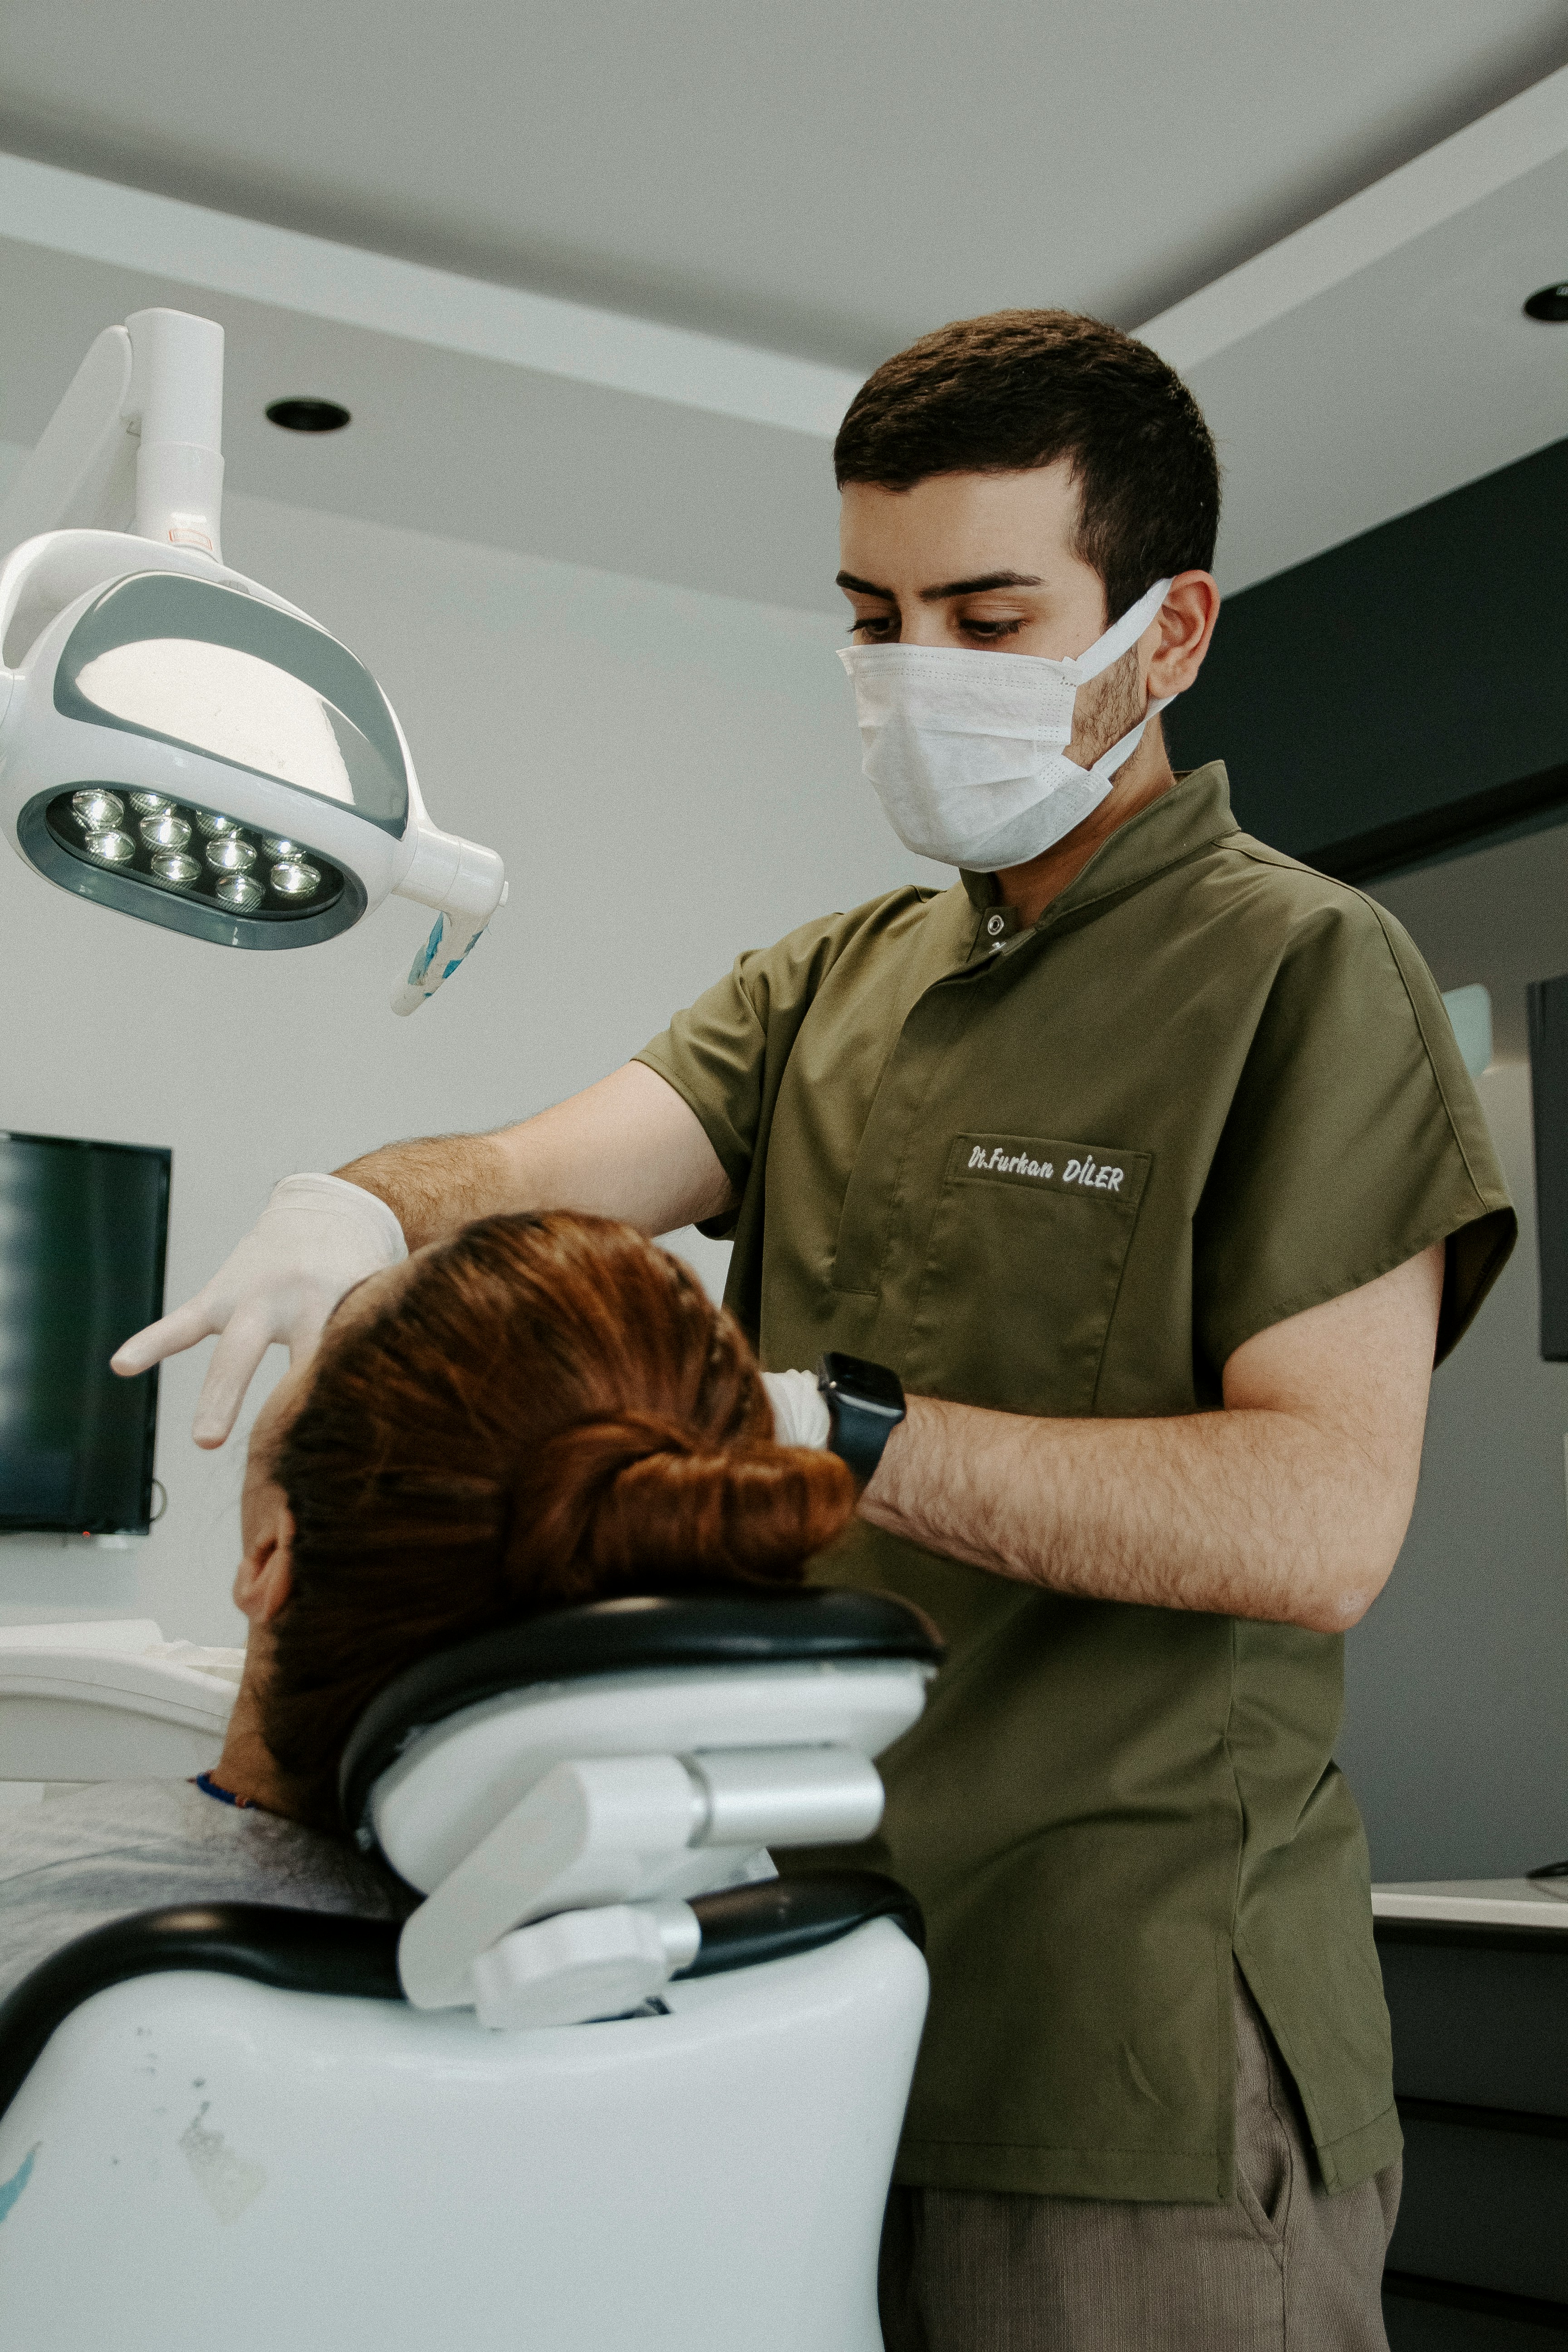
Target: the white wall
pixel 670 777
pixel 1456 1737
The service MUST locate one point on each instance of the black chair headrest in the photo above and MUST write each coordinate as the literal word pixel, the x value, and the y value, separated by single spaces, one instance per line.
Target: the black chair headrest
pixel 632 1635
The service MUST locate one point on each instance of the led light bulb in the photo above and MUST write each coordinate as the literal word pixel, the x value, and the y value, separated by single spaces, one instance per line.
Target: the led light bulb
pixel 295 879
pixel 240 892
pixel 113 848
pixel 278 844
pixel 175 867
pixel 165 832
pixel 96 811
pixel 212 827
pixel 230 854
pixel 150 803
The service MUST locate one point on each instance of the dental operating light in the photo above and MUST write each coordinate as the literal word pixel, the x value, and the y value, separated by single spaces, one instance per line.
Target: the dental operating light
pixel 176 741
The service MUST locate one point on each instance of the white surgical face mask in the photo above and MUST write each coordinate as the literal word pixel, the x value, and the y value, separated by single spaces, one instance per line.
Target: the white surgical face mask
pixel 967 752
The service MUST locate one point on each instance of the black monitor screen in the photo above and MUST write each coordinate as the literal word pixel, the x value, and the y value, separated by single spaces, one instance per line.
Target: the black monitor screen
pixel 82 1234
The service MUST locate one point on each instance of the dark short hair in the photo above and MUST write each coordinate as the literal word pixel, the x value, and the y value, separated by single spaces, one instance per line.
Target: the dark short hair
pixel 1023 388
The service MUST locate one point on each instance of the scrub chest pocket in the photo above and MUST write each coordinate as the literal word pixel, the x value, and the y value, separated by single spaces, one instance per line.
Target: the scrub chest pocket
pixel 1023 1268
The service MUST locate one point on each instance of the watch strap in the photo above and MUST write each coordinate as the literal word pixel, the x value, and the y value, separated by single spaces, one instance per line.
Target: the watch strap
pixel 860 1423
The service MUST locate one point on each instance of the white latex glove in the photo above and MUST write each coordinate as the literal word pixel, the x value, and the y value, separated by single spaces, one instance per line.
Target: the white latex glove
pixel 800 1408
pixel 317 1236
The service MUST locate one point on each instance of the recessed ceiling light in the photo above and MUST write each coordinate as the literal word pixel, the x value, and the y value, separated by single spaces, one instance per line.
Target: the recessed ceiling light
pixel 1550 304
pixel 307 416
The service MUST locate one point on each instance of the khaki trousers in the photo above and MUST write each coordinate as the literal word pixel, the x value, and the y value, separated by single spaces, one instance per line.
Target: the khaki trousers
pixel 1286 2268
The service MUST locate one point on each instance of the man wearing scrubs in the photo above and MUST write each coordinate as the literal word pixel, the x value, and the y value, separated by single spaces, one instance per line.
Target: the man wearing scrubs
pixel 1144 1159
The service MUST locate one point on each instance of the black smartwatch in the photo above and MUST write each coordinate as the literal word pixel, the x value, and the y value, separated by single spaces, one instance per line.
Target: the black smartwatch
pixel 865 1405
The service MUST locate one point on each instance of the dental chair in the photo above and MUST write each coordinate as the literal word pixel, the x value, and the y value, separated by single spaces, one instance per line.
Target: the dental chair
pixel 612 2082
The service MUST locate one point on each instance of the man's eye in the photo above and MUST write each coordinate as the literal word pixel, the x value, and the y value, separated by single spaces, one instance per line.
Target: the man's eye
pixel 875 625
pixel 991 632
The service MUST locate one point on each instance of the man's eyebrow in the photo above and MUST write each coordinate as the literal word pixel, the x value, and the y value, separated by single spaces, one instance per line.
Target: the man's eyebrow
pixel 977 586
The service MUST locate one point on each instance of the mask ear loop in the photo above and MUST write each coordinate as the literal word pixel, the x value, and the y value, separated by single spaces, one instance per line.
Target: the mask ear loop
pixel 1106 766
pixel 1122 634
pixel 1117 640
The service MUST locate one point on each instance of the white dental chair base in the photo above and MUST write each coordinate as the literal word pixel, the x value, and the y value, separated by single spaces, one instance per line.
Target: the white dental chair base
pixel 284 2131
pixel 196 2160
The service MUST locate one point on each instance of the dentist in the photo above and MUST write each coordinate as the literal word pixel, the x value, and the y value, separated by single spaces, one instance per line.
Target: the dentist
pixel 1130 1188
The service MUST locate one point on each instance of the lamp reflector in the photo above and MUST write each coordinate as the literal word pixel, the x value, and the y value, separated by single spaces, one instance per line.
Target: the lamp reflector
pixel 166 831
pixel 177 867
pixel 95 811
pixel 163 860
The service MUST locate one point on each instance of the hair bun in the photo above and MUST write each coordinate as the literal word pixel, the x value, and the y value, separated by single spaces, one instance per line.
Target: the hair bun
pixel 636 1500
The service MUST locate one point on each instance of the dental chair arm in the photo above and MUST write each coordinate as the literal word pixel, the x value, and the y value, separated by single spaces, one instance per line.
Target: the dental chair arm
pixel 592 1832
pixel 584 1964
pixel 618 1830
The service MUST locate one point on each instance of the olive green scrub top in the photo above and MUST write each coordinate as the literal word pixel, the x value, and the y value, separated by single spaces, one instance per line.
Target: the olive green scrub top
pixel 1069 1169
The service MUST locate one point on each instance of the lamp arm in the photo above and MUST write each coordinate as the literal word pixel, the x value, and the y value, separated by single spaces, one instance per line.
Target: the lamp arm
pixel 82 473
pixel 136 442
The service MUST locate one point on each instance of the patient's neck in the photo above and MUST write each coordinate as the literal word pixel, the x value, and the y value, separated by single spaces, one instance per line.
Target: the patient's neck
pixel 247 1767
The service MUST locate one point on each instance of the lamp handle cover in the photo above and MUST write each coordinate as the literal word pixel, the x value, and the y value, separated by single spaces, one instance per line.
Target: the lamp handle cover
pixel 466 883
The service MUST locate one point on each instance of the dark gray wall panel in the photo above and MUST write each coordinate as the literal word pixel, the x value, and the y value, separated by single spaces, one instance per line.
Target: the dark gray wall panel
pixel 1406 672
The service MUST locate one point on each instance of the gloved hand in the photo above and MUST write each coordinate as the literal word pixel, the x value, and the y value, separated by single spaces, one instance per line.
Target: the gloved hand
pixel 800 1408
pixel 317 1236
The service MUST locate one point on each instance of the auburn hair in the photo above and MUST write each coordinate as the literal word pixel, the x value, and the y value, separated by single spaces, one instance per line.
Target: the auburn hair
pixel 1019 389
pixel 549 1410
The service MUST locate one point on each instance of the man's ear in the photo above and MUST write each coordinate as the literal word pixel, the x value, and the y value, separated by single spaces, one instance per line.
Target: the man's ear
pixel 1188 619
pixel 265 1577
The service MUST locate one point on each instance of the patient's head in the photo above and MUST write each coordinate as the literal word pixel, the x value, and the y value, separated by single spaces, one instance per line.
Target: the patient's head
pixel 544 1410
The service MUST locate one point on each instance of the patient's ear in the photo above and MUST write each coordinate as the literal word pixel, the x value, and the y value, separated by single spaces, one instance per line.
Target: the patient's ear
pixel 265 1577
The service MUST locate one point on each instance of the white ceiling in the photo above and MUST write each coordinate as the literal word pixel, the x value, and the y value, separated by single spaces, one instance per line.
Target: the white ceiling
pixel 822 182
pixel 1381 356
pixel 828 176
pixel 458 445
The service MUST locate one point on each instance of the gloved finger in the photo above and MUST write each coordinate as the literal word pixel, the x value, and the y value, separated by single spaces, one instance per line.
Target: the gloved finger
pixel 239 1350
pixel 193 1321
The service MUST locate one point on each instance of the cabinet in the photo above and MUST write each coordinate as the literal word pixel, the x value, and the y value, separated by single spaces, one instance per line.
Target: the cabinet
pixel 1477 1993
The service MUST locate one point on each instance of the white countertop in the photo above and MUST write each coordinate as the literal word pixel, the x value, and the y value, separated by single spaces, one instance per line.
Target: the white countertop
pixel 122 1662
pixel 1483 1902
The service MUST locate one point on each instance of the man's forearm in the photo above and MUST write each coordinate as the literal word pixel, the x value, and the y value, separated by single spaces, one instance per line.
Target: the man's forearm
pixel 438 1183
pixel 629 1147
pixel 1291 1504
pixel 1246 1514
